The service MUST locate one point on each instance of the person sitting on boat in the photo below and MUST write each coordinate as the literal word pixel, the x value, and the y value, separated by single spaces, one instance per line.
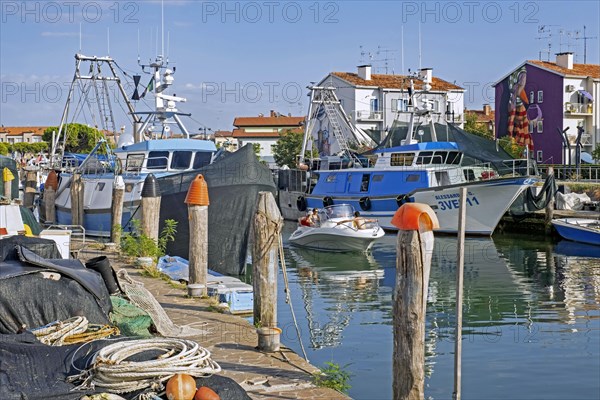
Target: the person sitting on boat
pixel 311 219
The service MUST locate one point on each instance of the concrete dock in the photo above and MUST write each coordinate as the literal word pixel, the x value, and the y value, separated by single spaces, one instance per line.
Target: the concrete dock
pixel 232 340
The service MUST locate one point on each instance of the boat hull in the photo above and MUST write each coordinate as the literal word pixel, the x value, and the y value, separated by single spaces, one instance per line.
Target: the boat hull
pixel 487 202
pixel 343 239
pixel 577 230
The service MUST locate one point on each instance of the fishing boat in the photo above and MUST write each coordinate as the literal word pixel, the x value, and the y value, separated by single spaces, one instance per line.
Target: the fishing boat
pixel 161 145
pixel 583 230
pixel 338 230
pixel 411 165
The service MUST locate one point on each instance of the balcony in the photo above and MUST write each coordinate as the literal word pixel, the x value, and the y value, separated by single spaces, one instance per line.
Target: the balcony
pixel 578 108
pixel 365 115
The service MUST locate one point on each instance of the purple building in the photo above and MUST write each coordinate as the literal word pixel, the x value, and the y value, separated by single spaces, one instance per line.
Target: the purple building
pixel 539 99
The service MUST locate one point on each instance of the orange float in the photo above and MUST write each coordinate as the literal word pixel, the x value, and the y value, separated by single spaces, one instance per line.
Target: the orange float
pixel 206 393
pixel 415 217
pixel 181 387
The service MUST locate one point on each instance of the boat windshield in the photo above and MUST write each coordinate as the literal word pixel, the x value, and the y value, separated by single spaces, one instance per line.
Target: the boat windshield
pixel 338 211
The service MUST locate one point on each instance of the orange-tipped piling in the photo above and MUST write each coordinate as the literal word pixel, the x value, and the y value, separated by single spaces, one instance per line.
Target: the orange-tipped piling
pixel 52 181
pixel 197 194
pixel 415 217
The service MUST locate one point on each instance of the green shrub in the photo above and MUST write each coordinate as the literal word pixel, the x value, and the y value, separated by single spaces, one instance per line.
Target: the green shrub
pixel 333 376
pixel 137 244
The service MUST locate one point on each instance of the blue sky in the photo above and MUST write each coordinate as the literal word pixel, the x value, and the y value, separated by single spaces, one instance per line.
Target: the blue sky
pixel 245 58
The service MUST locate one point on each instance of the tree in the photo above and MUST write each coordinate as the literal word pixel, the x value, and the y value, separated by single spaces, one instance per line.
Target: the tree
pixel 474 127
pixel 80 138
pixel 596 153
pixel 287 148
pixel 3 149
pixel 256 147
pixel 23 147
pixel 510 145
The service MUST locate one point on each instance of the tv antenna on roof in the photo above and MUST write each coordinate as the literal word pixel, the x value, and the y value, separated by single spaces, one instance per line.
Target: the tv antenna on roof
pixel 545 33
pixel 585 38
pixel 381 55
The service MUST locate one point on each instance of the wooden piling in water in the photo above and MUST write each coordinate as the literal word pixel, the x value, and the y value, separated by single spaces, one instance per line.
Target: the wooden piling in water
pixel 198 202
pixel 549 206
pixel 460 261
pixel 413 262
pixel 77 193
pixel 151 197
pixel 267 228
pixel 116 216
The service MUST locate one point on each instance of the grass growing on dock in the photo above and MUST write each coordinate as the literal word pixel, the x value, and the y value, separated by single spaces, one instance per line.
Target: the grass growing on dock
pixel 333 376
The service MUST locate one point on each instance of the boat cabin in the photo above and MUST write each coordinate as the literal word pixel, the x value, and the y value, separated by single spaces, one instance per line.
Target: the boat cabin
pixel 168 155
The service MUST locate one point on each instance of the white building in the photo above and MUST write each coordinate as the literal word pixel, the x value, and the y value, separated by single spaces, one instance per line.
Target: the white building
pixel 374 101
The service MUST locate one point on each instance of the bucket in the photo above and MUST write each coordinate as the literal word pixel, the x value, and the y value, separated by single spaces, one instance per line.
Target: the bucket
pixel 195 289
pixel 102 266
pixel 268 339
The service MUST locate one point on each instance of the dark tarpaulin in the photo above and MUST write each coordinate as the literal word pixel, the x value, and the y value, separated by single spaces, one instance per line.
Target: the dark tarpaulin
pixel 234 182
pixel 31 299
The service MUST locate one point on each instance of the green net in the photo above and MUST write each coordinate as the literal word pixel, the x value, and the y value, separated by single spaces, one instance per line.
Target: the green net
pixel 131 320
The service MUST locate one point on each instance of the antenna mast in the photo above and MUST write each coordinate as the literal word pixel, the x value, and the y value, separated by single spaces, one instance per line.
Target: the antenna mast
pixel 162 27
pixel 585 38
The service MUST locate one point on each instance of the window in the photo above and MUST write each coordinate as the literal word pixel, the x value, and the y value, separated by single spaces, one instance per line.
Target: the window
pixel 100 186
pixel 134 162
pixel 540 156
pixel 364 185
pixel 181 159
pixel 540 96
pixel 436 105
pixel 395 105
pixel 157 160
pixel 424 157
pixel 540 126
pixel 202 159
pixel 439 157
pixel 402 159
pixel 413 177
pixel 453 158
pixel 377 178
pixel 531 126
pixel 399 104
pixel 374 105
pixel 531 98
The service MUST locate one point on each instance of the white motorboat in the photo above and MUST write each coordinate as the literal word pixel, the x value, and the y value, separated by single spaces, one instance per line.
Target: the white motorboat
pixel 337 229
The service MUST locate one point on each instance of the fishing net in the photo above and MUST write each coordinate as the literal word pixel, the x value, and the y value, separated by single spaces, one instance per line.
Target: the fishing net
pixel 131 320
pixel 141 297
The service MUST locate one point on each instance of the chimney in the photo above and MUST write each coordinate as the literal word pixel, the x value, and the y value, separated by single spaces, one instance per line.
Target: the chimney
pixel 565 60
pixel 364 72
pixel 487 110
pixel 273 113
pixel 426 74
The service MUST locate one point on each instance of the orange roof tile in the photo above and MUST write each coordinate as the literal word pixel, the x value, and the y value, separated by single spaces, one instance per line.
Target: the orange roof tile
pixel 223 133
pixel 393 81
pixel 268 121
pixel 481 116
pixel 241 133
pixel 20 130
pixel 592 70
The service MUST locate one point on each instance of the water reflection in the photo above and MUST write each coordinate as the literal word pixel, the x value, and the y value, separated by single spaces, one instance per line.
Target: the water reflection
pixel 529 305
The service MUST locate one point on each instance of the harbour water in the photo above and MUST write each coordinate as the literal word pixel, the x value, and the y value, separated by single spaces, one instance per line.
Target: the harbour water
pixel 531 317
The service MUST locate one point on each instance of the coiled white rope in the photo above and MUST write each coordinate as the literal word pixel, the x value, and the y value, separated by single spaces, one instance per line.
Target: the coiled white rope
pixel 55 333
pixel 112 371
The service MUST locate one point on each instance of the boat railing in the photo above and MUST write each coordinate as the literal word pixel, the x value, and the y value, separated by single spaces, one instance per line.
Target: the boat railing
pixel 589 173
pixel 517 167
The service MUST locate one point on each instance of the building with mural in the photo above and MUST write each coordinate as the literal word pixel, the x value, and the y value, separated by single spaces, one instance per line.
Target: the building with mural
pixel 539 100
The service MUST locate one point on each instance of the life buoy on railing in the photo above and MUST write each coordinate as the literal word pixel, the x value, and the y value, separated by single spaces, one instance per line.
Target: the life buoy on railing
pixel 365 203
pixel 301 203
pixel 401 199
pixel 327 201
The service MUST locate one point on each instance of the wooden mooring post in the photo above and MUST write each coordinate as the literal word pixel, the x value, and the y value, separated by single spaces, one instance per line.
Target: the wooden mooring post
pixel 460 262
pixel 50 188
pixel 7 178
pixel 151 197
pixel 198 202
pixel 77 188
pixel 116 216
pixel 413 263
pixel 549 205
pixel 30 189
pixel 267 228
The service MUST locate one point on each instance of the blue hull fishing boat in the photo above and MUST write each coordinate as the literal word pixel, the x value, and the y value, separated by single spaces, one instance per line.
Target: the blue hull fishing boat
pixel 161 145
pixel 404 169
pixel 578 229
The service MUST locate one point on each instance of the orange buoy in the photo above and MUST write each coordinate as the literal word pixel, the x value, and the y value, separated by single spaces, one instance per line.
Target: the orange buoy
pixel 52 180
pixel 181 387
pixel 415 217
pixel 197 194
pixel 206 393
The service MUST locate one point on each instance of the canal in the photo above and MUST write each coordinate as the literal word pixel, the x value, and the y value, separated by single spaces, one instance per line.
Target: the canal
pixel 531 319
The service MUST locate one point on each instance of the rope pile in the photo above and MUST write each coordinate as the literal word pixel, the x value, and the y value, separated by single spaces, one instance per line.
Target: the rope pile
pixel 71 331
pixel 111 370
